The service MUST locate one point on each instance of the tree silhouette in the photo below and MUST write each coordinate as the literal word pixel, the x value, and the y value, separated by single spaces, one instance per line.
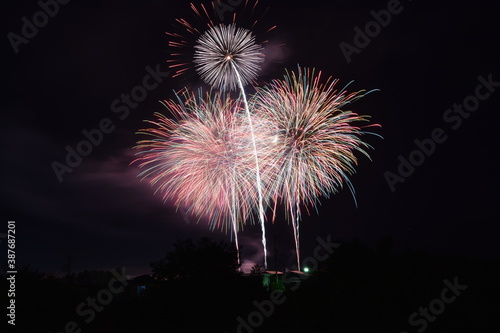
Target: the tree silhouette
pixel 205 259
pixel 257 269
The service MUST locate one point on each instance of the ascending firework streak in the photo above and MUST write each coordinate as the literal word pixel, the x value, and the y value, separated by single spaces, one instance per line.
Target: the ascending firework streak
pixel 228 57
pixel 316 140
pixel 203 160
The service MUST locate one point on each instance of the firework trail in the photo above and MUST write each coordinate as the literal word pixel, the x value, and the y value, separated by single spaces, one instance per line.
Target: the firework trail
pixel 226 57
pixel 316 140
pixel 202 160
pixel 257 169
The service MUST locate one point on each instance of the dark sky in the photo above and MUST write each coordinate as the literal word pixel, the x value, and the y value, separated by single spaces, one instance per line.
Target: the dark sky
pixel 65 78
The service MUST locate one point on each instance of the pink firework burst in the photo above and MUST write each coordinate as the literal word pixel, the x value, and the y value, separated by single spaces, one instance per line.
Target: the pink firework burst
pixel 204 159
pixel 316 140
pixel 200 160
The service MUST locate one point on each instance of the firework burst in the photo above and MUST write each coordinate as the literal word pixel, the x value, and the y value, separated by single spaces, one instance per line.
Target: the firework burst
pixel 197 159
pixel 223 52
pixel 204 160
pixel 316 140
pixel 206 23
pixel 229 159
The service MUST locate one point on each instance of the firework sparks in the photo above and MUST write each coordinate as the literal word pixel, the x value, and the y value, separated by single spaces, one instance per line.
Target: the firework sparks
pixel 224 51
pixel 202 160
pixel 315 140
pixel 207 22
pixel 226 57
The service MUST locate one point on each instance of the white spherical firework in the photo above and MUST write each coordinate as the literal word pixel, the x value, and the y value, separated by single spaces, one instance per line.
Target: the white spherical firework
pixel 224 51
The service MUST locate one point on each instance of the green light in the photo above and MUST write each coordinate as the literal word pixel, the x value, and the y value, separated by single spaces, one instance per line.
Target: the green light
pixel 306 269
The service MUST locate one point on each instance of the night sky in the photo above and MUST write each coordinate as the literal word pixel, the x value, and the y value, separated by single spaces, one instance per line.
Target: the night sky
pixel 65 79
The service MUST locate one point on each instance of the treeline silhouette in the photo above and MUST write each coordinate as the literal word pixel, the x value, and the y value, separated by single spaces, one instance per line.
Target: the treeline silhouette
pixel 197 288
